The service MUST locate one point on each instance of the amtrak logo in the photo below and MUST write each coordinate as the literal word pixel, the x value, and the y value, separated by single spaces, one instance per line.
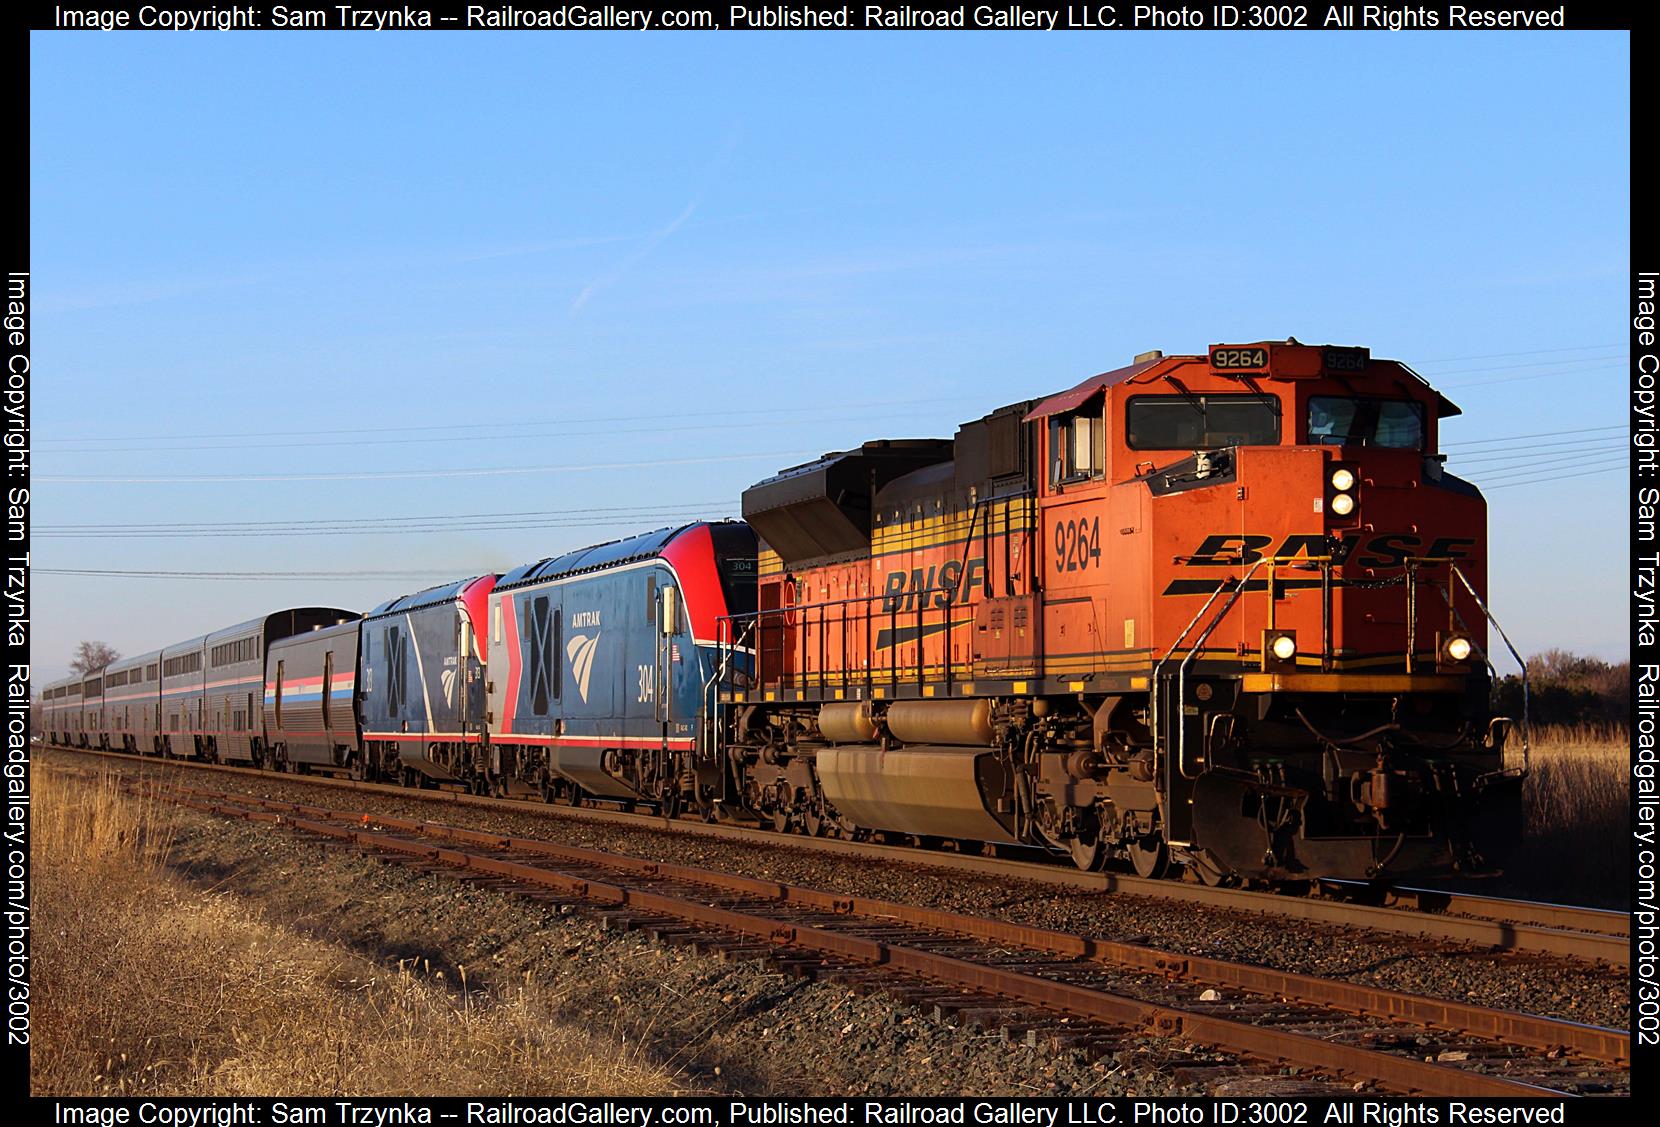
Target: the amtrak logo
pixel 448 678
pixel 580 649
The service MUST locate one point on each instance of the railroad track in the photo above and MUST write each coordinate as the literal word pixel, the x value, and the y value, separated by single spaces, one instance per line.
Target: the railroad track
pixel 1570 931
pixel 1052 989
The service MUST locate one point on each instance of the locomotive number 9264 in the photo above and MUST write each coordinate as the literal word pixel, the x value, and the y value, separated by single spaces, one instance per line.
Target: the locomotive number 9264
pixel 1239 359
pixel 1078 544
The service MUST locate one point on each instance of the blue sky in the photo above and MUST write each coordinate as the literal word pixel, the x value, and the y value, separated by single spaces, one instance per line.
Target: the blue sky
pixel 667 265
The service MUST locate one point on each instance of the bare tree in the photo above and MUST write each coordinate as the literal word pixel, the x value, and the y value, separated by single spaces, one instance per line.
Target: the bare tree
pixel 93 656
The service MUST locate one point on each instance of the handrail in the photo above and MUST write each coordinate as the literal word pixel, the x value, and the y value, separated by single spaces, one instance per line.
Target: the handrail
pixel 1198 644
pixel 893 615
pixel 1527 751
pixel 1158 667
pixel 723 668
pixel 1239 588
pixel 1413 563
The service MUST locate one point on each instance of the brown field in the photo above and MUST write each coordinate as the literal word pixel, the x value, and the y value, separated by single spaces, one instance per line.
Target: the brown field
pixel 1576 847
pixel 146 984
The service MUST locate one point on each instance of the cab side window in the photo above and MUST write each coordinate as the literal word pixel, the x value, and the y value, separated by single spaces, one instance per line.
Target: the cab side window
pixel 1077 446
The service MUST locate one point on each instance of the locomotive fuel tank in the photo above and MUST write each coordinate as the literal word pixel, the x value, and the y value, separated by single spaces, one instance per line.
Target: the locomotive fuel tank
pixel 930 791
pixel 963 722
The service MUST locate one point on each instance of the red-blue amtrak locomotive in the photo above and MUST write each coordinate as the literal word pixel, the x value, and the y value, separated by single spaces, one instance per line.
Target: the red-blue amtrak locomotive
pixel 1224 612
pixel 602 660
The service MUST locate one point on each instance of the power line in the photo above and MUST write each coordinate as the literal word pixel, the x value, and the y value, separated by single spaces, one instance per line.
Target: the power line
pixel 1532 376
pixel 387 475
pixel 1554 477
pixel 1530 352
pixel 410 530
pixel 585 430
pixel 360 430
pixel 378 576
pixel 1507 475
pixel 1529 364
pixel 1541 434
pixel 1492 457
pixel 1590 456
pixel 611 510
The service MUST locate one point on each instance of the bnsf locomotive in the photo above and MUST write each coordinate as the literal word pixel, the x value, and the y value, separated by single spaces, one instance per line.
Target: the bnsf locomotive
pixel 1221 611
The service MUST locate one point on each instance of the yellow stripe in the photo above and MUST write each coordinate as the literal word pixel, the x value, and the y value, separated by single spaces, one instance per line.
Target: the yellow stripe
pixel 1353 683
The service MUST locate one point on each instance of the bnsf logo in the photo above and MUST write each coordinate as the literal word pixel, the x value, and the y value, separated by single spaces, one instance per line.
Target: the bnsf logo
pixel 939 586
pixel 1384 550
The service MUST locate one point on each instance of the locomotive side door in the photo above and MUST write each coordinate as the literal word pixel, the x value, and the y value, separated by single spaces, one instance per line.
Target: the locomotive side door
pixel 667 617
pixel 463 681
pixel 1071 543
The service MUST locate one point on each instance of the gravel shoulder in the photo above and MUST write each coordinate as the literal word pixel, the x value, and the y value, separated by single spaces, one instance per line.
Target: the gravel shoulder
pixel 1541 985
pixel 721 1028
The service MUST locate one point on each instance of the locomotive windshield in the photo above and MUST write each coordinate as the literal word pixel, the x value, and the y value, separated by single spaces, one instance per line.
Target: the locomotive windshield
pixel 1393 423
pixel 735 561
pixel 1198 422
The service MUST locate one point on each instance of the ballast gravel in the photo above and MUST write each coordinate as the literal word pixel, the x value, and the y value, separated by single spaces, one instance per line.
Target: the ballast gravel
pixel 1542 985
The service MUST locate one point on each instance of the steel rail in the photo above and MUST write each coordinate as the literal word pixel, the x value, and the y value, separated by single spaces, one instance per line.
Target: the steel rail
pixel 1510 1027
pixel 1567 931
pixel 1402 1073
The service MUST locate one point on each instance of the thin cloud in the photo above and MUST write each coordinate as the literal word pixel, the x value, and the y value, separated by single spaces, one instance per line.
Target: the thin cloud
pixel 616 273
pixel 621 269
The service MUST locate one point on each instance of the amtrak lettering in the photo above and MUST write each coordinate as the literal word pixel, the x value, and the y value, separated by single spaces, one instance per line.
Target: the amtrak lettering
pixel 902 589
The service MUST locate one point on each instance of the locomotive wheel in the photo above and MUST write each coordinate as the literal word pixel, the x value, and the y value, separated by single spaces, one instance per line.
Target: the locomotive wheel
pixel 1088 856
pixel 1150 857
pixel 574 796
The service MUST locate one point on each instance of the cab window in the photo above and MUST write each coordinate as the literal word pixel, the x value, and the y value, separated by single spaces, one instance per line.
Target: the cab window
pixel 1202 422
pixel 1393 423
pixel 1077 446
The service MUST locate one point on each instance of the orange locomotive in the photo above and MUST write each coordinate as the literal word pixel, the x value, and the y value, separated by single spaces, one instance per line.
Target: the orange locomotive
pixel 1223 610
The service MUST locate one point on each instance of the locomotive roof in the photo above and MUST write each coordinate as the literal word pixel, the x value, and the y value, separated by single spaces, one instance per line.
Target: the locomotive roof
pixel 443 593
pixel 641 547
pixel 1075 396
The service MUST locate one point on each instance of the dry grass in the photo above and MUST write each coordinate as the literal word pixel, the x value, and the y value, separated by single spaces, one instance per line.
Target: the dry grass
pixel 149 985
pixel 1576 845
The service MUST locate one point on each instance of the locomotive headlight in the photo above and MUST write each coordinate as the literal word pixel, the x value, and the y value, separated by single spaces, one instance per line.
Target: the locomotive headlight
pixel 1453 651
pixel 1342 492
pixel 1279 650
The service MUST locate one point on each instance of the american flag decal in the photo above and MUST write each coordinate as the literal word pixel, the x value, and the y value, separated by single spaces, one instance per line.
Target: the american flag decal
pixel 674 652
